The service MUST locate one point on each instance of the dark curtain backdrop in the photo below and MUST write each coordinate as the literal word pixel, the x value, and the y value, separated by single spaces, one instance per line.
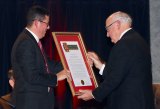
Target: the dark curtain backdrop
pixel 85 16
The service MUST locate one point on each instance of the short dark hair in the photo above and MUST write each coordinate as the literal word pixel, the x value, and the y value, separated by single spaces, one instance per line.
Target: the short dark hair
pixel 36 13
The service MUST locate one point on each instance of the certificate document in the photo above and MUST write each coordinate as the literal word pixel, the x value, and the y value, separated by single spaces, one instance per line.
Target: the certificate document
pixel 73 56
pixel 76 63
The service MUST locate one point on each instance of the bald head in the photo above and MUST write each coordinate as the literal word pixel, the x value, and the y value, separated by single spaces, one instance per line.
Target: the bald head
pixel 116 24
pixel 124 18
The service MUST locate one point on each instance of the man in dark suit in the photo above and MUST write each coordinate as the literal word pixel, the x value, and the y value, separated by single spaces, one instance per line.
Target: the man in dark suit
pixel 35 75
pixel 127 75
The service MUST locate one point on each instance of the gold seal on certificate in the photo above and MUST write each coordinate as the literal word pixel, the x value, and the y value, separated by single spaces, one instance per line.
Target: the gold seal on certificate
pixel 73 55
pixel 82 82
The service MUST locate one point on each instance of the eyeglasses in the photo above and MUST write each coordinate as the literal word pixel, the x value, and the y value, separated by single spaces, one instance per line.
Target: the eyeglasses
pixel 44 22
pixel 107 27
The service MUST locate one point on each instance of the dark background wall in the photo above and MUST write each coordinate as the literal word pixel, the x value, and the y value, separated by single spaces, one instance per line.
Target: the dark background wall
pixel 85 16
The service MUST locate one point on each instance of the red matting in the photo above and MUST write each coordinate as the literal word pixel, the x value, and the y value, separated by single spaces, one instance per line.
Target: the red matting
pixel 76 37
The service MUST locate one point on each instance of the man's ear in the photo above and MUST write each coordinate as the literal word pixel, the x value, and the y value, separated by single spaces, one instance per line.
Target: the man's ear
pixel 36 23
pixel 118 24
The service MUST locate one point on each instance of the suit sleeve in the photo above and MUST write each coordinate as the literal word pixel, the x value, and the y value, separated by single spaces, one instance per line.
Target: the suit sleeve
pixel 55 66
pixel 114 73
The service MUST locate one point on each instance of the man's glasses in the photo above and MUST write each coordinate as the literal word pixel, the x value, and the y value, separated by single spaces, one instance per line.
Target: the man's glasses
pixel 44 22
pixel 107 27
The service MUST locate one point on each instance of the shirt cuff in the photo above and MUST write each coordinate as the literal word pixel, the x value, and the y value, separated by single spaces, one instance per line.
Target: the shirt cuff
pixel 101 70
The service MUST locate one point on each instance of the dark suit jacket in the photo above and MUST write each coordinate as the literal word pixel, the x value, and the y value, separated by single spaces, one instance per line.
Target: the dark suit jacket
pixel 31 77
pixel 127 76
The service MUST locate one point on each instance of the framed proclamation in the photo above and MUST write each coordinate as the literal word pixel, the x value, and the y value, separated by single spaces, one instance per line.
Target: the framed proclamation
pixel 73 55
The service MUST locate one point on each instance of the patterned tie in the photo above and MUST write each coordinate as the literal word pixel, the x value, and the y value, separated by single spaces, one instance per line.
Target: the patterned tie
pixel 42 51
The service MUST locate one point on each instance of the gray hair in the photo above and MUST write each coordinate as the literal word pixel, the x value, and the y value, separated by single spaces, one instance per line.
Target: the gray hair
pixel 123 17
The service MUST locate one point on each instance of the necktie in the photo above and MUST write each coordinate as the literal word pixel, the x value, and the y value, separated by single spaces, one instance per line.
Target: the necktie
pixel 42 51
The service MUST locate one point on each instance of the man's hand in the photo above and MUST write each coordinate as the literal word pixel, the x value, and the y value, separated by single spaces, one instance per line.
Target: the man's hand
pixel 85 95
pixel 93 58
pixel 63 75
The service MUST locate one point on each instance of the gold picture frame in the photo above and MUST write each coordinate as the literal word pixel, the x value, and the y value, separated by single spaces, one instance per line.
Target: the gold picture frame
pixel 73 56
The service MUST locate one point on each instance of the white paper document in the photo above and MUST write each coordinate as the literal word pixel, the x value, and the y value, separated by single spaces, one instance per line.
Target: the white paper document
pixel 76 63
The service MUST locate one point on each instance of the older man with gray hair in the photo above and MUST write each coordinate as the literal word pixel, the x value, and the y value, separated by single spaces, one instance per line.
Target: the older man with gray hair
pixel 127 75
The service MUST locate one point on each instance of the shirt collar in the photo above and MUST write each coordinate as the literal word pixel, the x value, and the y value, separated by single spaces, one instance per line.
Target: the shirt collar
pixel 124 33
pixel 34 35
